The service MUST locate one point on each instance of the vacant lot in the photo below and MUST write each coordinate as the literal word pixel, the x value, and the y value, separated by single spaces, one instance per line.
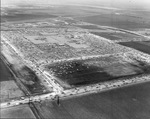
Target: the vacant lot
pixel 95 70
pixel 124 103
pixel 17 112
pixel 141 46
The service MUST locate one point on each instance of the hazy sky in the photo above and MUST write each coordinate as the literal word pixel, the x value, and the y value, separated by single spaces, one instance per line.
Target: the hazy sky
pixel 112 3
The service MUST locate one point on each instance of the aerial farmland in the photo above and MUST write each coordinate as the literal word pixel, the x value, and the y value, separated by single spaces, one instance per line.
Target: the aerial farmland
pixel 66 61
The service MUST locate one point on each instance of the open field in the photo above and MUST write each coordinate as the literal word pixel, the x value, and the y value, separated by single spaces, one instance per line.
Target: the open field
pixel 31 81
pixel 120 36
pixel 5 73
pixel 35 13
pixel 9 90
pixel 131 102
pixel 23 17
pixel 17 112
pixel 101 16
pixel 120 21
pixel 23 73
pixel 107 35
pixel 95 70
pixel 8 87
pixel 145 43
pixel 23 14
pixel 89 27
pixel 141 46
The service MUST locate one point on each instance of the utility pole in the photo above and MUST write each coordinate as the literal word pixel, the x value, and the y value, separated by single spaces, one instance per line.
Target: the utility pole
pixel 57 100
